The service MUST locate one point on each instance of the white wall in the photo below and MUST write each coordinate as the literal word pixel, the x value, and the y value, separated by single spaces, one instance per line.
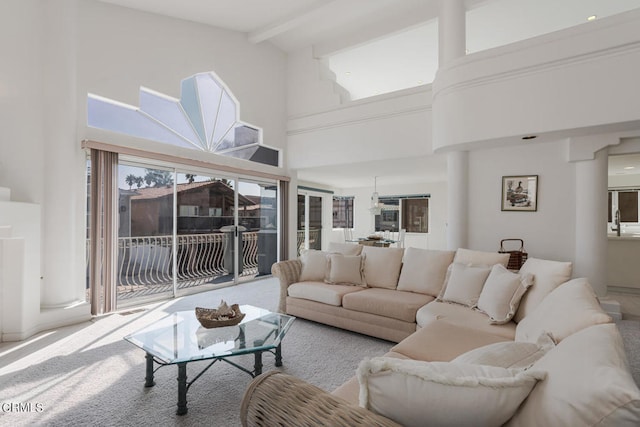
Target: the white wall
pixel 110 51
pixel 391 126
pixel 576 84
pixel 122 49
pixel 548 233
pixel 579 78
pixel 21 113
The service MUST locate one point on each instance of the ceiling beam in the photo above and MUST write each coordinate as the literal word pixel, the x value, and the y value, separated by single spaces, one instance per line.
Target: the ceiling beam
pixel 287 24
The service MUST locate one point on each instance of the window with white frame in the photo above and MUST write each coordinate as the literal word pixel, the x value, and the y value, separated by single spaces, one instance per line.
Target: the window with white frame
pixel 410 212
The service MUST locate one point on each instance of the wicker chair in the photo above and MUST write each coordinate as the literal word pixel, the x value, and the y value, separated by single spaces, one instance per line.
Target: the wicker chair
pixel 278 399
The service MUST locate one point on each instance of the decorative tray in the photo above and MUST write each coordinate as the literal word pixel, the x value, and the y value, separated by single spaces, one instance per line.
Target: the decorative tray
pixel 221 316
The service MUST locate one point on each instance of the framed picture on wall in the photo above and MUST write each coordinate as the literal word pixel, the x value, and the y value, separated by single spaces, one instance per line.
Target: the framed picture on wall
pixel 520 193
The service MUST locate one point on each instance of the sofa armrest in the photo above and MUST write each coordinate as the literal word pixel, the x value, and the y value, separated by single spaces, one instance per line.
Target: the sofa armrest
pixel 288 272
pixel 278 399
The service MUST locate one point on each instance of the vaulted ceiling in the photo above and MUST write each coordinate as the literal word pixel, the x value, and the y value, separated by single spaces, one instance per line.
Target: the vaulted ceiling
pixel 378 46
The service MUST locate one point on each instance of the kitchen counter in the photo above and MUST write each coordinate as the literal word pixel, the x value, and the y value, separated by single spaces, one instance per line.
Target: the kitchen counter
pixel 623 268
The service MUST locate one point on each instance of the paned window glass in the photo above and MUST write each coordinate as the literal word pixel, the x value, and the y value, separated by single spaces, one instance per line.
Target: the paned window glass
pixel 206 117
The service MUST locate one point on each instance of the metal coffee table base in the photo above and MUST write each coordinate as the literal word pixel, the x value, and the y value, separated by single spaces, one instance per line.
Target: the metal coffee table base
pixel 183 384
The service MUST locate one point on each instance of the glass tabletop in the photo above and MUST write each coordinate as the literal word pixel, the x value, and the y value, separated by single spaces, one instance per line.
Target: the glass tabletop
pixel 179 337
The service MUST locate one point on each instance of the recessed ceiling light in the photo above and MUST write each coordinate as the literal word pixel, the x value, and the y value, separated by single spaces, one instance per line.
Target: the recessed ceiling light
pixel 419 82
pixel 527 137
pixel 591 18
pixel 629 167
pixel 348 73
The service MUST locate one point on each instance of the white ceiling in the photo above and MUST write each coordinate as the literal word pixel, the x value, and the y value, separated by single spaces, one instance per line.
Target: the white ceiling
pixel 625 164
pixel 378 46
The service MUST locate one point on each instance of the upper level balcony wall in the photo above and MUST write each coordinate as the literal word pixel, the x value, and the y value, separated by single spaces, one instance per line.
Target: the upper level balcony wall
pixel 383 127
pixel 575 81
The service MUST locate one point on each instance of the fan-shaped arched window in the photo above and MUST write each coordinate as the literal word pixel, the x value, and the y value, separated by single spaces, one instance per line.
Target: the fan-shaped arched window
pixel 206 117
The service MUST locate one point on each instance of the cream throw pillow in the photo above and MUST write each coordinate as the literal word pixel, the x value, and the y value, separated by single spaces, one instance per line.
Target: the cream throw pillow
pixel 345 248
pixel 567 309
pixel 588 384
pixel 417 393
pixel 424 270
pixel 465 284
pixel 470 257
pixel 345 270
pixel 382 266
pixel 314 266
pixel 508 354
pixel 502 293
pixel 547 275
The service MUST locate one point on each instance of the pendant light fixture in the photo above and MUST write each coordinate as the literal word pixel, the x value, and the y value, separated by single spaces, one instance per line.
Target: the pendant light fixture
pixel 375 199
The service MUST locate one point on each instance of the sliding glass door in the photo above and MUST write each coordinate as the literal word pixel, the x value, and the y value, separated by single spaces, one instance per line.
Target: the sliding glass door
pixel 309 221
pixel 145 231
pixel 258 223
pixel 182 231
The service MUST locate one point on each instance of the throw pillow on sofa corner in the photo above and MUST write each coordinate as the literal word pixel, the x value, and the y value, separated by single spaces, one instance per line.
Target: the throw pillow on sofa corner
pixel 502 293
pixel 509 354
pixel 568 309
pixel 345 270
pixel 444 393
pixel 464 284
pixel 547 276
pixel 314 266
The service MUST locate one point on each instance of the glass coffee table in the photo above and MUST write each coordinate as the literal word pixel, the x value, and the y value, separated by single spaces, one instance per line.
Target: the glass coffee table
pixel 178 339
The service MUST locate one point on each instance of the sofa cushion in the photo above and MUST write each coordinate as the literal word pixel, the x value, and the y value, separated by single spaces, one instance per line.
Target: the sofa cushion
pixel 344 248
pixel 424 270
pixel 465 284
pixel 382 266
pixel 321 292
pixel 443 341
pixel 547 275
pixel 451 394
pixel 502 292
pixel 350 390
pixel 588 384
pixel 471 257
pixel 345 270
pixel 464 316
pixel 567 309
pixel 509 354
pixel 387 302
pixel 314 265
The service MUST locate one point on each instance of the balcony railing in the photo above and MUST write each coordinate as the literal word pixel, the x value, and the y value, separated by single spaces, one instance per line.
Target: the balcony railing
pixel 145 264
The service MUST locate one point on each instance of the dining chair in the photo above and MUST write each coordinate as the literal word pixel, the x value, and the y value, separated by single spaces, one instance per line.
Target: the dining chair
pixel 348 235
pixel 400 239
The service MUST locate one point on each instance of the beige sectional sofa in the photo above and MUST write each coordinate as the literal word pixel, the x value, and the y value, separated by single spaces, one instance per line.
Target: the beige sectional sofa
pixel 477 345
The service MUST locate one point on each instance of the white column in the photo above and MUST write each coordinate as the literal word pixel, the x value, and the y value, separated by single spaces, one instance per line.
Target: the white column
pixel 63 217
pixel 452 45
pixel 457 199
pixel 451 31
pixel 591 221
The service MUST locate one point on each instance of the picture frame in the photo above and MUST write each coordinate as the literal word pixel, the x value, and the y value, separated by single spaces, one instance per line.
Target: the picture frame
pixel 520 193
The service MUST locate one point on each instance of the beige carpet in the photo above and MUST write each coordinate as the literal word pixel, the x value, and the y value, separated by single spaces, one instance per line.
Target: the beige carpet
pixel 88 375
